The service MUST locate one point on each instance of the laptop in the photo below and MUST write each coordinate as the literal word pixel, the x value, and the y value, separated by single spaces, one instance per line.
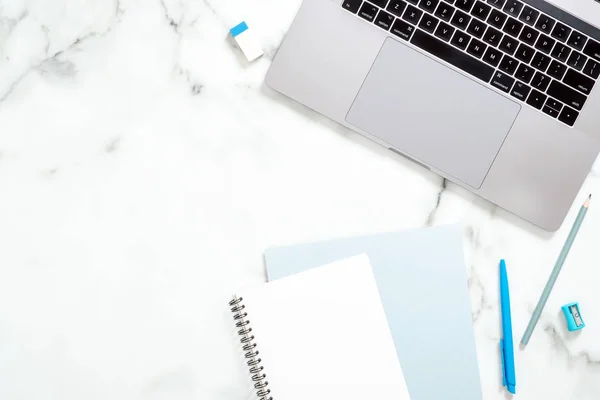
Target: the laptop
pixel 498 96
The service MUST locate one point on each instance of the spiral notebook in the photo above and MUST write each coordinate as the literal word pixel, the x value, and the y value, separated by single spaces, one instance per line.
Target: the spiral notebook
pixel 320 335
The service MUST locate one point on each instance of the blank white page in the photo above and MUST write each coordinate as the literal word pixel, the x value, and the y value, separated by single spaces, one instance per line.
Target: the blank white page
pixel 322 335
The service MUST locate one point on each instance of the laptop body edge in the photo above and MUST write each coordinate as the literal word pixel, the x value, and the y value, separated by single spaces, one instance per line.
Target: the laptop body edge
pixel 539 167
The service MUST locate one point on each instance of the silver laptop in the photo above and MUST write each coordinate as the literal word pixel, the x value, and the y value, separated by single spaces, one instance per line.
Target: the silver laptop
pixel 499 96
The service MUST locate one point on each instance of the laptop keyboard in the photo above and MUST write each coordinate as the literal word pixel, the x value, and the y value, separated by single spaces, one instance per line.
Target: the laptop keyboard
pixel 511 46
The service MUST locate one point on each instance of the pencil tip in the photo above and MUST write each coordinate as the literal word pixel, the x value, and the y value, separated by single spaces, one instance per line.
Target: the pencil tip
pixel 590 196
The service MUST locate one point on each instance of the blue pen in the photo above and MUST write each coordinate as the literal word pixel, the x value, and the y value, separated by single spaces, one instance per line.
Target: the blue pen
pixel 506 345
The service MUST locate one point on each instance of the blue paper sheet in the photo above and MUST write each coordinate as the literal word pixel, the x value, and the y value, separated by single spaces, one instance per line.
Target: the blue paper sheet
pixel 422 281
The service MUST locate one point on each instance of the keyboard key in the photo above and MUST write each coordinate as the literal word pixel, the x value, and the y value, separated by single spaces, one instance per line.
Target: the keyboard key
pixel 513 27
pixel 513 7
pixel 497 3
pixel 352 5
pixel 464 5
pixel 545 24
pixel 577 60
pixel 368 11
pixel 452 56
pixel 509 45
pixel 497 19
pixel 592 49
pixel 492 56
pixel 444 31
pixel 557 70
pixel 502 81
pixel 536 99
pixel 545 44
pixel 592 68
pixel 449 1
pixel 529 35
pixel 412 15
pixel 384 20
pixel 524 73
pixel 525 53
pixel 476 28
pixel 520 91
pixel 460 20
pixel 550 111
pixel 476 48
pixel 540 81
pixel 577 40
pixel 540 61
pixel 380 3
pixel 428 23
pixel 415 2
pixel 569 96
pixel 444 11
pixel 529 15
pixel 561 52
pixel 402 29
pixel 481 10
pixel 555 104
pixel 579 81
pixel 568 116
pixel 561 32
pixel 460 40
pixel 396 7
pixel 492 36
pixel 429 5
pixel 508 65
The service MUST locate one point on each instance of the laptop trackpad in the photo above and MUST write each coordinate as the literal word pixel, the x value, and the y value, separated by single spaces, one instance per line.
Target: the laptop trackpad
pixel 432 113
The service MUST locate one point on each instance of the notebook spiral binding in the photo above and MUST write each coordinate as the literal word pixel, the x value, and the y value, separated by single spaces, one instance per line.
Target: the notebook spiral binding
pixel 247 339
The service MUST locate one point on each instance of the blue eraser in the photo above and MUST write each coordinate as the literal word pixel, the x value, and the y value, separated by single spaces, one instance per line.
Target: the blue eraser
pixel 239 28
pixel 573 316
pixel 247 42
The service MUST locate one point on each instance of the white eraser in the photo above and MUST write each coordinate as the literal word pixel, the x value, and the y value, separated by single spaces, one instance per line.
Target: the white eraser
pixel 246 41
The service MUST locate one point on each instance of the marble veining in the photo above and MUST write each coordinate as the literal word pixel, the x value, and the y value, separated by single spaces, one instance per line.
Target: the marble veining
pixel 145 167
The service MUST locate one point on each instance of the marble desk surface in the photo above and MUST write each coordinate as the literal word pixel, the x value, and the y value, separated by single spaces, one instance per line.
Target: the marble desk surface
pixel 144 168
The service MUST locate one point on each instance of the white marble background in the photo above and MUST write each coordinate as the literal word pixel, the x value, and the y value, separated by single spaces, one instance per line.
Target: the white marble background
pixel 144 168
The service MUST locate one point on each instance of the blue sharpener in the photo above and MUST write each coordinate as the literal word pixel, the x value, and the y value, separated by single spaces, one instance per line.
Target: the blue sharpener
pixel 573 316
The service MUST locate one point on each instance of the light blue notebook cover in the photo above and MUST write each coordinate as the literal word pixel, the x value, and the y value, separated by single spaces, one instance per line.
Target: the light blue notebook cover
pixel 422 281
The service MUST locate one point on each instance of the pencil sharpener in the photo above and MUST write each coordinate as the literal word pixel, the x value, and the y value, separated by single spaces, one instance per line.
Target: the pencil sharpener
pixel 573 316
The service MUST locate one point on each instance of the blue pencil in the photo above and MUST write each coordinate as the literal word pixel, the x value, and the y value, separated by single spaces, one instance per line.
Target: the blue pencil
pixel 554 275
